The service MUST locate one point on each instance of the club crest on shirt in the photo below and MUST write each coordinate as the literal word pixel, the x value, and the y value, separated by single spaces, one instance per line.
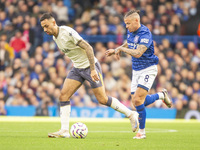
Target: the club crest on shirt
pixel 136 39
pixel 128 35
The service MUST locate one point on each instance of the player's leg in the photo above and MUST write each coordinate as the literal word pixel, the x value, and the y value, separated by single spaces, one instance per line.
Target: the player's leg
pixel 99 91
pixel 164 96
pixel 114 103
pixel 141 83
pixel 146 80
pixel 71 84
pixel 138 100
pixel 69 88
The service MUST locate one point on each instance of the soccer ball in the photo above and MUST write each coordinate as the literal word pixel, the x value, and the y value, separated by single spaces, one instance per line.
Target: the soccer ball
pixel 79 130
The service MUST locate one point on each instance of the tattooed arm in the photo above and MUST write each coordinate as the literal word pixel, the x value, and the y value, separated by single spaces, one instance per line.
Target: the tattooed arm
pixel 89 51
pixel 133 52
pixel 124 45
pixel 113 51
pixel 90 54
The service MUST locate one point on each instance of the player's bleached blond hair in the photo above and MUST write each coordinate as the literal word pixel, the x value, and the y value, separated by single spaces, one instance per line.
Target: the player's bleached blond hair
pixel 132 12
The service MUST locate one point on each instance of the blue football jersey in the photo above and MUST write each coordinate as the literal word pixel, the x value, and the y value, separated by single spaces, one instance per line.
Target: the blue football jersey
pixel 142 37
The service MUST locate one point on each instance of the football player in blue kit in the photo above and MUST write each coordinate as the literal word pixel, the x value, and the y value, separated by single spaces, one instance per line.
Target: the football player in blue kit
pixel 140 46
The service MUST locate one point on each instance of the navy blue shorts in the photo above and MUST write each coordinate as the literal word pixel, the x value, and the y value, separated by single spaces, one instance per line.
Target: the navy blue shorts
pixel 84 74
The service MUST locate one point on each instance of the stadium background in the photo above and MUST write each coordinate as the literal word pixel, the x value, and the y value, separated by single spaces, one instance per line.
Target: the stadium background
pixel 32 69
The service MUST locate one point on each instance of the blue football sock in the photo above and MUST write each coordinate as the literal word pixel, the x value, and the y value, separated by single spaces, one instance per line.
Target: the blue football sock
pixel 142 115
pixel 150 99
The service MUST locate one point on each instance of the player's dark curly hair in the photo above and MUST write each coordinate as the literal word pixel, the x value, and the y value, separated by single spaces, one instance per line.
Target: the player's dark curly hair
pixel 46 16
pixel 131 12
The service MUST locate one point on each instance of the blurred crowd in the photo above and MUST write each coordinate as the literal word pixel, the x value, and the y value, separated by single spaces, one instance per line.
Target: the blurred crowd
pixel 32 69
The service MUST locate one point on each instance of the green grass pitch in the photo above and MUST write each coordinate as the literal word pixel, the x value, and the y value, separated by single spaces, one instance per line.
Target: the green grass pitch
pixel 27 133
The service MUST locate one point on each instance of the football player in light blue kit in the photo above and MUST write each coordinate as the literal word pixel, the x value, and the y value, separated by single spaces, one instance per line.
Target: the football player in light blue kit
pixel 86 67
pixel 140 46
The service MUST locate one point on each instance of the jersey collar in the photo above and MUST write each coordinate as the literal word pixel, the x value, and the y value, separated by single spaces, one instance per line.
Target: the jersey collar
pixel 58 32
pixel 137 29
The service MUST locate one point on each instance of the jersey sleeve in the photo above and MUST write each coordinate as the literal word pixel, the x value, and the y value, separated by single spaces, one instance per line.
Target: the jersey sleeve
pixel 145 39
pixel 74 36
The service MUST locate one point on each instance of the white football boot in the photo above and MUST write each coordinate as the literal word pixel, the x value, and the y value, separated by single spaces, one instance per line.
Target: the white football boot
pixel 166 99
pixel 134 120
pixel 140 136
pixel 60 134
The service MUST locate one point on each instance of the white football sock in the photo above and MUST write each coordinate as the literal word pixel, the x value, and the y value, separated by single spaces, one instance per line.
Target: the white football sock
pixel 161 95
pixel 141 131
pixel 116 105
pixel 64 116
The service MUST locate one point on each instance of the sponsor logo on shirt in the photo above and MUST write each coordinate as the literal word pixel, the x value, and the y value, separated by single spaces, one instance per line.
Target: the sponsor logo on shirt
pixel 132 45
pixel 144 40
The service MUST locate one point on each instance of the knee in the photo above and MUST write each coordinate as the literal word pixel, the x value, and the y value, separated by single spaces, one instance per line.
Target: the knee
pixel 102 100
pixel 63 97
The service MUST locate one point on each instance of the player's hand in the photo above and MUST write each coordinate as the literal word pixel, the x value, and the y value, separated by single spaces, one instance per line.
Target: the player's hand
pixel 110 52
pixel 94 76
pixel 118 53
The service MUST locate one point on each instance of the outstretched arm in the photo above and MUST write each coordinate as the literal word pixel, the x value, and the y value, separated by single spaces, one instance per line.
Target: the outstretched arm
pixel 125 45
pixel 90 54
pixel 113 51
pixel 133 52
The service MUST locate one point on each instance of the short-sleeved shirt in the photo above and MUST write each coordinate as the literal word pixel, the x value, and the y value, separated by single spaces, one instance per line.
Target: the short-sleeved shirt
pixel 66 41
pixel 142 37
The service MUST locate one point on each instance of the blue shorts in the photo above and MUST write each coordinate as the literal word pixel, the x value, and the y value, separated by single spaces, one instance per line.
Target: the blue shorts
pixel 84 74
